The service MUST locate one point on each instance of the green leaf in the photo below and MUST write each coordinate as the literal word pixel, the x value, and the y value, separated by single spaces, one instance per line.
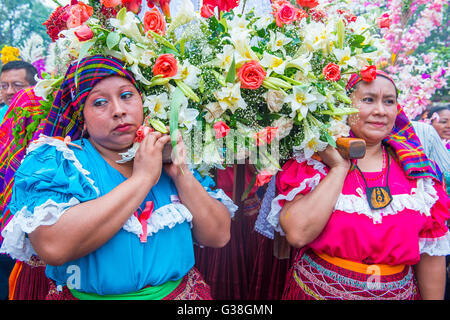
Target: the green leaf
pixel 231 75
pixel 112 40
pixel 369 48
pixel 174 112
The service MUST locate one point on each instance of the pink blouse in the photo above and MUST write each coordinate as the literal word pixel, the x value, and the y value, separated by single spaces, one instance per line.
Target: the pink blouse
pixel 413 223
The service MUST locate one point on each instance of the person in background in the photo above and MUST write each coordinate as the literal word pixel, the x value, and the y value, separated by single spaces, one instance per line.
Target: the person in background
pixel 440 120
pixel 15 76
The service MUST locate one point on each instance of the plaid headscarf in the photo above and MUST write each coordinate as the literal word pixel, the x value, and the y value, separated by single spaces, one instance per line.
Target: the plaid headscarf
pixel 11 151
pixel 404 142
pixel 65 116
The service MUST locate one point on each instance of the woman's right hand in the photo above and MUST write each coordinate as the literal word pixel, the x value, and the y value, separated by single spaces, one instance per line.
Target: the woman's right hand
pixel 333 159
pixel 148 159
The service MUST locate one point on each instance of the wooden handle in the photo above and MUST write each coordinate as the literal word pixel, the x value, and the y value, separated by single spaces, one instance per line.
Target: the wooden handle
pixel 351 148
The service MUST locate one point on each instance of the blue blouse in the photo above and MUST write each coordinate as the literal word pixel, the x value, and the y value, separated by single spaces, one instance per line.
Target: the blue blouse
pixel 50 177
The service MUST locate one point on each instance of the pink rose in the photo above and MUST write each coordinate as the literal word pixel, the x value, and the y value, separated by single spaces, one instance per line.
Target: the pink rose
pixel 332 72
pixel 83 33
pixel 142 132
pixel 384 21
pixel 207 11
pixel 251 75
pixel 111 3
pixel 221 129
pixel 285 14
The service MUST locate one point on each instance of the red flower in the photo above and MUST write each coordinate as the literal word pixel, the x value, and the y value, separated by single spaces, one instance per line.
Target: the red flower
pixel 57 22
pixel 132 5
pixel 262 178
pixel 223 5
pixel 111 3
pixel 207 11
pixel 83 33
pixel 368 73
pixel 251 75
pixel 163 4
pixel 266 135
pixel 384 21
pixel 154 20
pixel 308 3
pixel 166 64
pixel 221 129
pixel 78 14
pixel 332 72
pixel 142 132
pixel 317 15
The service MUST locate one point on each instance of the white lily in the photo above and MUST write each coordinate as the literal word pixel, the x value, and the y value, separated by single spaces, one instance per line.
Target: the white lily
pixel 44 87
pixel 264 21
pixel 225 58
pixel 278 41
pixel 229 97
pixel 311 143
pixel 302 63
pixel 189 74
pixel 318 36
pixel 344 57
pixel 304 99
pixel 273 63
pixel 187 116
pixel 129 27
pixel 157 105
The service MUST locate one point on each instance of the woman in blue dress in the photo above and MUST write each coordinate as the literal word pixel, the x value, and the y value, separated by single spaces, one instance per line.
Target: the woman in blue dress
pixel 111 230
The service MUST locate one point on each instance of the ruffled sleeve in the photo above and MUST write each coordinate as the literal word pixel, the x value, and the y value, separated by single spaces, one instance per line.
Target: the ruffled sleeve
pixel 49 181
pixel 434 239
pixel 298 176
pixel 209 185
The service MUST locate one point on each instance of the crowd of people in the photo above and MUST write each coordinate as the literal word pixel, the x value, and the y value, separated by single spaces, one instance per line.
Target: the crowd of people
pixel 76 224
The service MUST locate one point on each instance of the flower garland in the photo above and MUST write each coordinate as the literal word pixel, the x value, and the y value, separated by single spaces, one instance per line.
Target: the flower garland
pixel 245 86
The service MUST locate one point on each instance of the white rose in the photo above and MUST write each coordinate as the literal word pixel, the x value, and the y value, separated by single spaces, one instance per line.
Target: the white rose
pixel 284 125
pixel 275 100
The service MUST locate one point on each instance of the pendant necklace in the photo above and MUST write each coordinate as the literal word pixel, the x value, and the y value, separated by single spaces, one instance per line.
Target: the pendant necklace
pixel 378 197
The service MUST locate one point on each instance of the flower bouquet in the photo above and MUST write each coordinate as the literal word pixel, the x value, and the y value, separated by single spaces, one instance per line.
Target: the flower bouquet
pixel 237 86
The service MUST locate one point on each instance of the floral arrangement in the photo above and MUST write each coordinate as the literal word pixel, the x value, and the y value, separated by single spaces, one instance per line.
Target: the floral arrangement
pixel 8 54
pixel 240 84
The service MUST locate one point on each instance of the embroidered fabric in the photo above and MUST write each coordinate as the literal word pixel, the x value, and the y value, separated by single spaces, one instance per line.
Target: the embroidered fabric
pixel 261 225
pixel 435 246
pixel 15 242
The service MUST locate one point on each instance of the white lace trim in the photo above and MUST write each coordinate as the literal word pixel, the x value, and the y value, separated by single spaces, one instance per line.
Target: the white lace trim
pixel 435 246
pixel 220 195
pixel 68 154
pixel 165 216
pixel 273 218
pixel 317 165
pixel 15 242
pixel 421 199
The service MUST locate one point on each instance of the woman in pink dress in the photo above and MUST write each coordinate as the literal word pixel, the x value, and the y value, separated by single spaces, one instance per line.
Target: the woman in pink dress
pixel 372 228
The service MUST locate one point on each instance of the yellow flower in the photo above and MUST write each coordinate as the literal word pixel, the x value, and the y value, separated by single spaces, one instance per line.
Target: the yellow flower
pixel 9 54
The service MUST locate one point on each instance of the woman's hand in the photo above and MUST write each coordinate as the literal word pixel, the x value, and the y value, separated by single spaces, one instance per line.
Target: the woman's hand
pixel 148 159
pixel 178 167
pixel 333 159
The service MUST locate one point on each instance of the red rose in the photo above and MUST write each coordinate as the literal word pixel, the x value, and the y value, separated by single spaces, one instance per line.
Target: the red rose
pixel 266 135
pixel 251 75
pixel 332 72
pixel 166 64
pixel 163 4
pixel 384 21
pixel 221 129
pixel 83 33
pixel 207 11
pixel 285 14
pixel 155 21
pixel 308 3
pixel 262 178
pixel 368 73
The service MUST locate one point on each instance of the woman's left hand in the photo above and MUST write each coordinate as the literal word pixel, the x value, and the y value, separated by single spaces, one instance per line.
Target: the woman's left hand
pixel 178 166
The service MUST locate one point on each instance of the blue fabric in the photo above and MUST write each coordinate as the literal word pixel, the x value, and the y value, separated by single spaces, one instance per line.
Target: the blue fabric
pixel 123 264
pixel 3 109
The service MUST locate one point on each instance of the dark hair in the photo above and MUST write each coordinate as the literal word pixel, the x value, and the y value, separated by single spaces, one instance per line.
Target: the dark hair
pixel 19 64
pixel 438 109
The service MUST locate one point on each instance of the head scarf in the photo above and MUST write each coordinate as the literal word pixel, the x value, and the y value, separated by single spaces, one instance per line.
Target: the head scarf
pixel 404 142
pixel 12 151
pixel 65 116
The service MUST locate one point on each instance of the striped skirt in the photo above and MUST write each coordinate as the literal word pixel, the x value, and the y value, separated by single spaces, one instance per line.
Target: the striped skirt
pixel 192 287
pixel 313 277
